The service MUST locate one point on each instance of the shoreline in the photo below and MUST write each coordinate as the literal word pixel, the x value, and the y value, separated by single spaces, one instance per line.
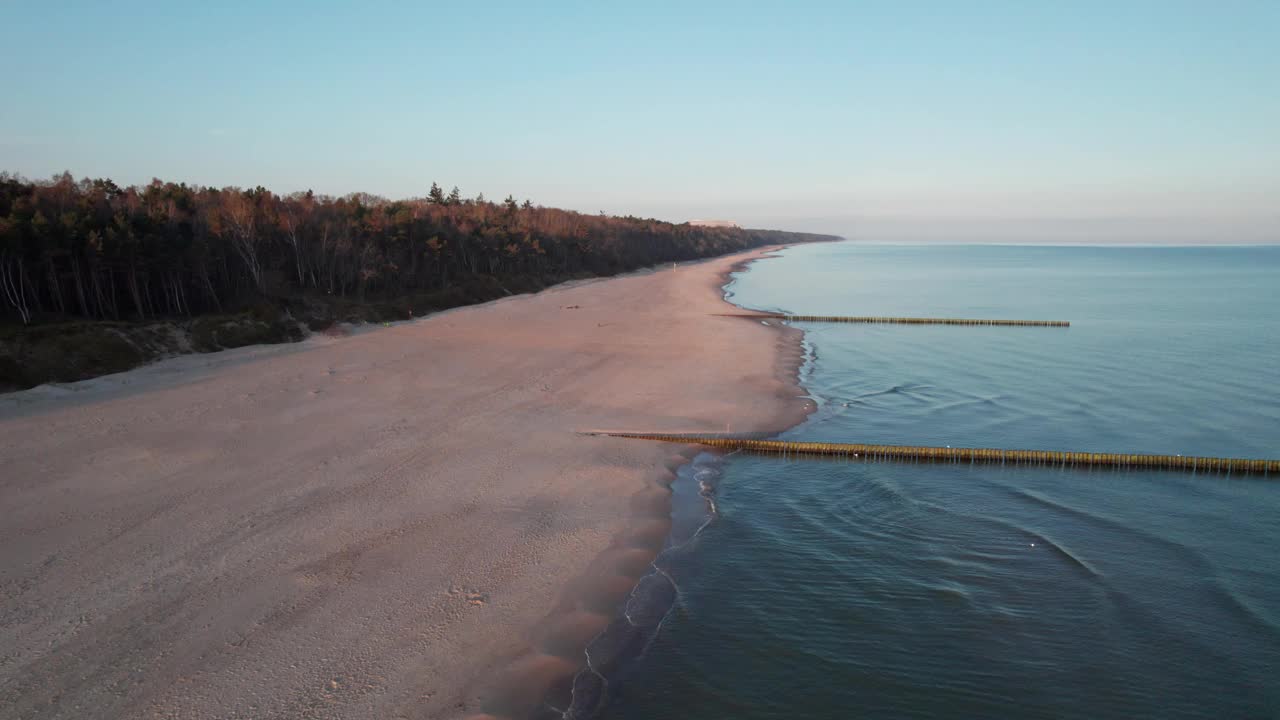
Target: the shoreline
pixel 536 682
pixel 376 526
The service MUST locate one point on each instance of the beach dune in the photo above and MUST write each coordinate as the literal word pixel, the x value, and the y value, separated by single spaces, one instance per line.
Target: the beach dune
pixel 398 523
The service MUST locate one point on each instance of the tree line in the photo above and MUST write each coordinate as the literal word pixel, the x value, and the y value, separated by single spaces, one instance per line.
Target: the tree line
pixel 94 250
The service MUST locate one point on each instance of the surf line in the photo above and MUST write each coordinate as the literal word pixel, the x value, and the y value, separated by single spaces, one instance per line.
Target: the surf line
pixel 894 320
pixel 859 451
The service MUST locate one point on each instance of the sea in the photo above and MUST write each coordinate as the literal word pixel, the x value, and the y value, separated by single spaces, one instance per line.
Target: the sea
pixel 810 588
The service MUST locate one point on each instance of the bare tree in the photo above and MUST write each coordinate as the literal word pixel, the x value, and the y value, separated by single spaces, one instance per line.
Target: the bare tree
pixel 13 284
pixel 242 220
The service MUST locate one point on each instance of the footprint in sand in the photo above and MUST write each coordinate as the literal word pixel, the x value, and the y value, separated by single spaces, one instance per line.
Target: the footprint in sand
pixel 471 596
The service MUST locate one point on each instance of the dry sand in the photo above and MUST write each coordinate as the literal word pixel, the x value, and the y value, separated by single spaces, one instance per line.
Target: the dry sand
pixel 399 523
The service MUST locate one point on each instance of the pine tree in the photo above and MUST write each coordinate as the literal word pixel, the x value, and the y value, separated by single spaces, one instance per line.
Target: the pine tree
pixel 436 195
pixel 455 196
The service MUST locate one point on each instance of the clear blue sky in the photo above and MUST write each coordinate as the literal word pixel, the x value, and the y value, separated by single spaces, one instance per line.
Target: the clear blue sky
pixel 1107 120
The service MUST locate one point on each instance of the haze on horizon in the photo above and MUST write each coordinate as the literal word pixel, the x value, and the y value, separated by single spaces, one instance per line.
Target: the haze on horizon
pixel 1080 122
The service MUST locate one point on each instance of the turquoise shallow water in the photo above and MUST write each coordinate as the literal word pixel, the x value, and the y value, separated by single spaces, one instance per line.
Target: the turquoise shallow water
pixel 851 589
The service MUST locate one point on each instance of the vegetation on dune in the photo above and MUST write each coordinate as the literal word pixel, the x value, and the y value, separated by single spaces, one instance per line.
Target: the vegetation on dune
pixel 256 263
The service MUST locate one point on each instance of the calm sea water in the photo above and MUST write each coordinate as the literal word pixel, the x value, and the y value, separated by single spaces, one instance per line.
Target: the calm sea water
pixel 825 589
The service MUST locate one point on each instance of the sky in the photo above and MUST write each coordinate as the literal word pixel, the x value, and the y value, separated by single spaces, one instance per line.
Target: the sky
pixel 1028 121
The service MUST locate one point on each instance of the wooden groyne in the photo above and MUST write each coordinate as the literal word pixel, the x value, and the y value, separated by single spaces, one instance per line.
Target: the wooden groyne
pixel 897 320
pixel 966 455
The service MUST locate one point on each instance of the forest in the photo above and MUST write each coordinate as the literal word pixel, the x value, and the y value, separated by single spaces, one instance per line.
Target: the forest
pixel 96 278
pixel 90 249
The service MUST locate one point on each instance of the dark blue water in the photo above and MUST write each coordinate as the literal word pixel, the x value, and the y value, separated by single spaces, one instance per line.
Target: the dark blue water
pixel 827 589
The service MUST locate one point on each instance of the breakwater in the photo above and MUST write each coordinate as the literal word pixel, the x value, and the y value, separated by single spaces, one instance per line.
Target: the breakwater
pixel 867 319
pixel 969 455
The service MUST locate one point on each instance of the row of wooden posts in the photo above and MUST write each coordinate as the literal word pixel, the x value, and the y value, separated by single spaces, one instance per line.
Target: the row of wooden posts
pixel 898 320
pixel 953 454
pixel 968 455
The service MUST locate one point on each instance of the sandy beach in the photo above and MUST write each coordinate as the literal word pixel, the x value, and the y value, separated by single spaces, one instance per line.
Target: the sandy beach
pixel 396 523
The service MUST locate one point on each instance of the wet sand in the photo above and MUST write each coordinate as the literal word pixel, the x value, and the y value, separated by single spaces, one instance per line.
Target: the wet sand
pixel 398 523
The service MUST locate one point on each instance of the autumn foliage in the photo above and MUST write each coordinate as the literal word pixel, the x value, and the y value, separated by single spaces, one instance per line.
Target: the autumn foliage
pixel 93 250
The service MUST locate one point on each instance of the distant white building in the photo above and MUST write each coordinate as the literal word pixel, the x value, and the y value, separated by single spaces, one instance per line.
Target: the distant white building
pixel 715 223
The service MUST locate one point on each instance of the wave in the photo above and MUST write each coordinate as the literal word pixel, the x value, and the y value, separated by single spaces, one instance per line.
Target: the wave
pixel 1183 555
pixel 629 635
pixel 910 390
